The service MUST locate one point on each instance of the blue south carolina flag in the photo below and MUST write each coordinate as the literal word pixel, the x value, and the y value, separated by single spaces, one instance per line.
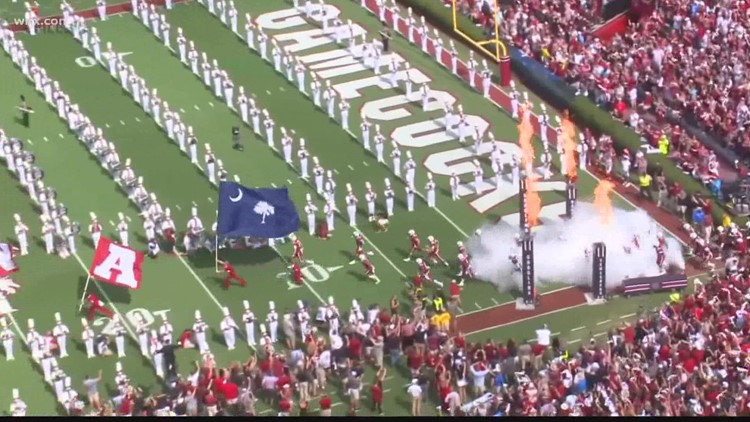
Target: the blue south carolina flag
pixel 264 213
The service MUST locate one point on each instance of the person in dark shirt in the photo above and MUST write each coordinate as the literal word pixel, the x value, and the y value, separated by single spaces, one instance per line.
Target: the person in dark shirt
pixel 385 37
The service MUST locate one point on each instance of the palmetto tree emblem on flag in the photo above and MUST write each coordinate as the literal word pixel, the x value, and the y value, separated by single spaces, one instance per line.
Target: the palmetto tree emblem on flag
pixel 264 209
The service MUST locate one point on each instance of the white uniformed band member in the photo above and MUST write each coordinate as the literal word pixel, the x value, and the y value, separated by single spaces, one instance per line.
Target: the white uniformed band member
pixel 318 173
pixel 228 327
pixel 142 331
pixel 389 197
pixel 60 331
pixel 310 210
pixel 22 231
pixel 370 198
pixel 478 177
pixel 430 191
pixel 410 197
pixel 286 146
pixel 17 406
pixel 165 331
pixel 329 209
pixel 410 169
pixel 87 335
pixel 351 205
pixel 396 158
pixel 7 336
pixel 302 154
pixel 379 141
pixel 158 354
pixel 119 332
pixel 248 318
pixel 454 182
pixel 273 322
pixel 364 128
pixel 199 329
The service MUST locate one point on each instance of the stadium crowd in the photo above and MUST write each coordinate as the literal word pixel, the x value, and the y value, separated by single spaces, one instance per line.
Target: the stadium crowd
pixel 687 59
pixel 689 357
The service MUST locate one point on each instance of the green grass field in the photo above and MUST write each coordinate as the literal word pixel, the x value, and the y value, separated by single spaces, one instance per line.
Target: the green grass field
pixel 177 286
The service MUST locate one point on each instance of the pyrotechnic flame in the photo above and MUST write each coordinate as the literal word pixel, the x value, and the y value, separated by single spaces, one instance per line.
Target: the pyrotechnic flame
pixel 570 147
pixel 525 133
pixel 602 201
pixel 533 201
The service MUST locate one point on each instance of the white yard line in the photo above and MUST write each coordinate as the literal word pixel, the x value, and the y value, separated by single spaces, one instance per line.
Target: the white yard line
pixel 626 316
pixel 577 329
pixel 477 305
pixel 210 200
pixel 45 139
pixel 602 334
pixel 182 110
pixel 200 282
pixel 196 107
pixel 30 143
pixel 289 181
pixel 122 122
pixel 350 167
pixel 495 301
pixel 305 282
pixel 211 104
pixel 365 164
pixel 526 319
pixel 61 136
pixel 513 301
pixel 606 321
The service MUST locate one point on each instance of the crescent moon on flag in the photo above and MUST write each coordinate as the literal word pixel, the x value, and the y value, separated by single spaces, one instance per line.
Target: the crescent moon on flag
pixel 239 196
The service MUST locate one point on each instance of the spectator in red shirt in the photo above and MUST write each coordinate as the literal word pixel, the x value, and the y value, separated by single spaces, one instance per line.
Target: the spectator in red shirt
pixel 285 407
pixel 325 405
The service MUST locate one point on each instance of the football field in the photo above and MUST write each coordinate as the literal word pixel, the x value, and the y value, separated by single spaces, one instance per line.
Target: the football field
pixel 174 286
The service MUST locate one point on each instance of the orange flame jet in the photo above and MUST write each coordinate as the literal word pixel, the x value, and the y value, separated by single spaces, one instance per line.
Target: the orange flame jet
pixel 602 201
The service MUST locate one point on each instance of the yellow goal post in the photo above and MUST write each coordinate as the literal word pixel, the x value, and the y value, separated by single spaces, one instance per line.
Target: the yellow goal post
pixel 493 47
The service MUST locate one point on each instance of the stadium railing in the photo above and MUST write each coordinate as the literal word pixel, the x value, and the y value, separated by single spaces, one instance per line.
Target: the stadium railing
pixel 559 94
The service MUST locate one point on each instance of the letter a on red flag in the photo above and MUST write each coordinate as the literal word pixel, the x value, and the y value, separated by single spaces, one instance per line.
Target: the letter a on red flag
pixel 7 265
pixel 117 264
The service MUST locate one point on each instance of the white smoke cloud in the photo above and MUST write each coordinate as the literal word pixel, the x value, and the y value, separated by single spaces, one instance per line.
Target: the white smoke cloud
pixel 559 249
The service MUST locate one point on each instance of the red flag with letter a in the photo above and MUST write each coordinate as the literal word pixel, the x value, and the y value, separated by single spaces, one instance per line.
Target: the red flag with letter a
pixel 7 265
pixel 117 264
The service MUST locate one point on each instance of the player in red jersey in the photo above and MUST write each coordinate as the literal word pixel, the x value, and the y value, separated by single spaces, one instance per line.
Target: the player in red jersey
pixel 416 245
pixel 296 273
pixel 369 268
pixel 466 270
pixel 95 305
pixel 299 252
pixel 231 275
pixel 660 256
pixel 424 272
pixel 359 248
pixel 462 248
pixel 661 241
pixel 434 253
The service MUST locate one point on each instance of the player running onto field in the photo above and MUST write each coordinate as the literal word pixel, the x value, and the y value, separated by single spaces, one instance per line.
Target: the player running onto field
pixel 416 245
pixel 369 268
pixel 359 249
pixel 424 272
pixel 299 252
pixel 434 251
pixel 466 270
